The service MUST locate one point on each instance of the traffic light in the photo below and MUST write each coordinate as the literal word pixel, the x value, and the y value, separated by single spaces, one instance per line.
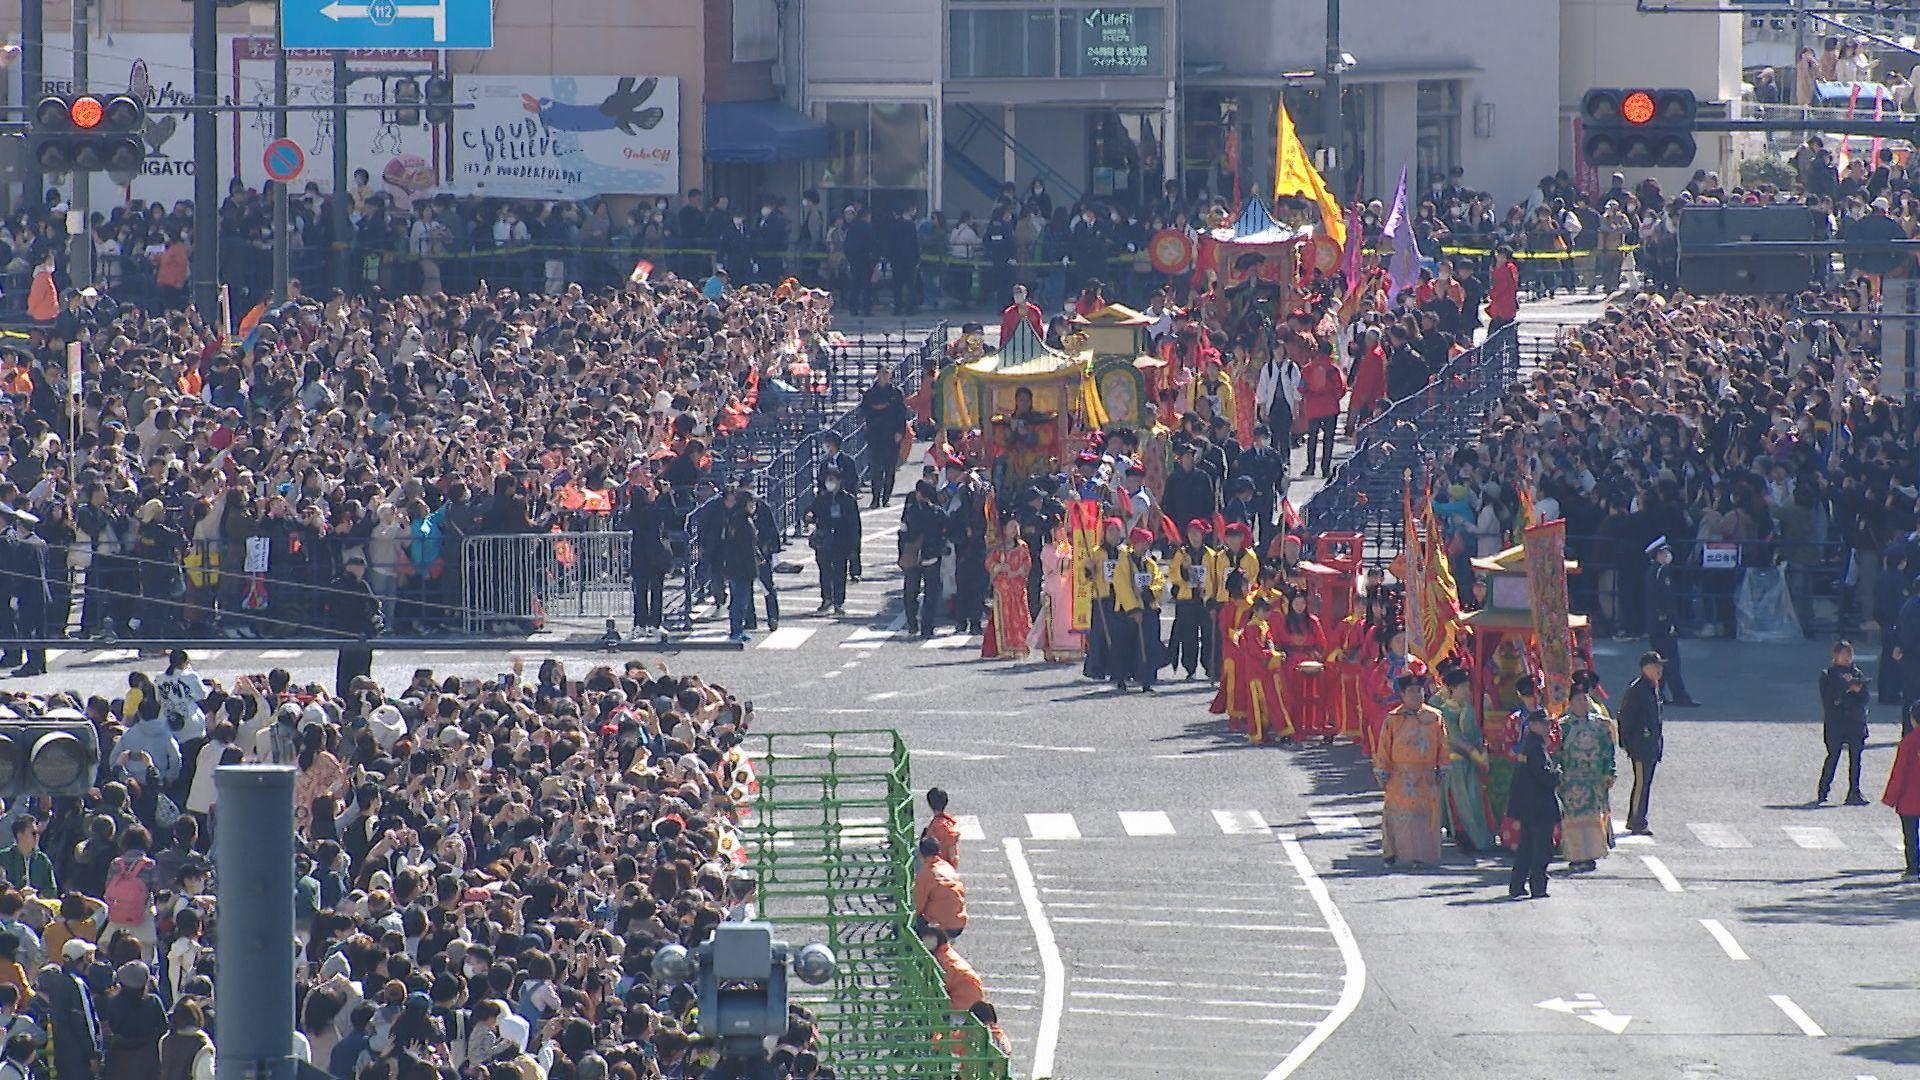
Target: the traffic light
pixel 56 753
pixel 439 97
pixel 88 133
pixel 406 100
pixel 1641 128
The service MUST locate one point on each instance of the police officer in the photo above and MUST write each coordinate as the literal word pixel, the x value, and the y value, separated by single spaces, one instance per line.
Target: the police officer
pixel 27 589
pixel 1534 802
pixel 1662 606
pixel 1643 737
pixel 966 506
pixel 766 533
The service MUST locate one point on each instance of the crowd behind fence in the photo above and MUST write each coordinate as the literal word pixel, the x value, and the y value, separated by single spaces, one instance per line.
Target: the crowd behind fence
pixel 1365 494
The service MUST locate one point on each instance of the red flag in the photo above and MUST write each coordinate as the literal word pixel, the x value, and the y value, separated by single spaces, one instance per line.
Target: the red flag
pixel 1289 517
pixel 642 270
pixel 1169 531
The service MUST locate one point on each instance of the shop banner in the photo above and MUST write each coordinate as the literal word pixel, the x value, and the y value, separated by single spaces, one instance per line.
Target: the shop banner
pixel 566 137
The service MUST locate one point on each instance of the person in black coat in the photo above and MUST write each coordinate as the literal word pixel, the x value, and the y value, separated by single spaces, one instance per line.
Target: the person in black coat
pixel 1267 468
pixel 902 245
pixel 1641 736
pixel 648 555
pixel 1662 629
pixel 1907 652
pixel 923 541
pixel 1189 492
pixel 863 255
pixel 884 408
pixel 1534 802
pixel 1843 709
pixel 71 1015
pixel 835 459
pixel 352 609
pixel 736 556
pixel 766 532
pixel 835 517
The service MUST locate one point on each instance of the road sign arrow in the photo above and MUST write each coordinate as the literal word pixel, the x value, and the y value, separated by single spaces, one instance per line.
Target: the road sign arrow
pixel 1559 1005
pixel 385 12
pixel 1609 1021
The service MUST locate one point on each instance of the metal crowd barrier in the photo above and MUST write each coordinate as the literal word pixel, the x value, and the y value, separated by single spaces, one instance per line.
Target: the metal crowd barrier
pixel 559 580
pixel 1364 495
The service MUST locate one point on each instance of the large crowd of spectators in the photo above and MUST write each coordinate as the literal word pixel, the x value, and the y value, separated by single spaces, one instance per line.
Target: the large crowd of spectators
pixel 485 870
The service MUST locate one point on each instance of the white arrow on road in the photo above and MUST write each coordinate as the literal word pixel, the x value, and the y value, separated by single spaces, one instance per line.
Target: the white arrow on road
pixel 386 13
pixel 1589 1008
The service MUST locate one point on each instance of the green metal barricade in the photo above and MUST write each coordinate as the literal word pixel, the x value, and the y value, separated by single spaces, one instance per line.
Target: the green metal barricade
pixel 831 837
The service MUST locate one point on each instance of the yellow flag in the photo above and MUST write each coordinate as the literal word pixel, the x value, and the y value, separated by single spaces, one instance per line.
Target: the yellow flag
pixel 1294 174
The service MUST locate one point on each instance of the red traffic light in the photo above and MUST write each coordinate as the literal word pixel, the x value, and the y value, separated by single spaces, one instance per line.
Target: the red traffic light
pixel 87 112
pixel 1637 108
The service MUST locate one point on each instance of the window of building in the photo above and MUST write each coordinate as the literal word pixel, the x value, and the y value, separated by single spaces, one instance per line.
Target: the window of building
pixel 756 30
pixel 879 153
pixel 1011 44
pixel 1436 131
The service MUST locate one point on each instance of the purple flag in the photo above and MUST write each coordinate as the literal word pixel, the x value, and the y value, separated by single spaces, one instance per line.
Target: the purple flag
pixel 1403 270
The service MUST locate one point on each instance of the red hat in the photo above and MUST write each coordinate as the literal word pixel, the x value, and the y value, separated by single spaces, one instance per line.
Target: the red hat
pixel 1110 523
pixel 1239 529
pixel 1087 457
pixel 1139 538
pixel 1200 524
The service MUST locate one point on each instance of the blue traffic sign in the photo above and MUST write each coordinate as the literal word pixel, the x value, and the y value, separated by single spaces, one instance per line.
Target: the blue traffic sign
pixel 283 160
pixel 386 24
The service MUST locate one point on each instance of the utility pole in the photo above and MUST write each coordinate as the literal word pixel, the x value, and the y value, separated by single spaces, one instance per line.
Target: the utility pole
pixel 1330 86
pixel 206 160
pixel 282 253
pixel 80 251
pixel 33 31
pixel 253 987
pixel 342 224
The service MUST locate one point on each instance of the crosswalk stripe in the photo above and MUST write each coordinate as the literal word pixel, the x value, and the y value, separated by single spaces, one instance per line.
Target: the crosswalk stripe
pixel 969 826
pixel 1238 822
pixel 788 637
pixel 109 656
pixel 1146 823
pixel 1326 824
pixel 1621 836
pixel 951 641
pixel 1052 827
pixel 871 637
pixel 1813 837
pixel 280 654
pixel 1718 836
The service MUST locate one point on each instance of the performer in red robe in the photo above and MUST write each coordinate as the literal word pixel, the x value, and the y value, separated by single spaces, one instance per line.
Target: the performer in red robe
pixel 1262 668
pixel 1230 698
pixel 1353 653
pixel 1302 642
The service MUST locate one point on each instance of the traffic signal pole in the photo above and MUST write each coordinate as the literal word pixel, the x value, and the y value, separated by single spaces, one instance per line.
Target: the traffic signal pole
pixel 282 250
pixel 206 160
pixel 253 978
pixel 80 251
pixel 33 32
pixel 342 224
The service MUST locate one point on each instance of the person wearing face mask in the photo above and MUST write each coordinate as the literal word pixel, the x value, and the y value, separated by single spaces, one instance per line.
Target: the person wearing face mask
pixel 835 517
pixel 833 458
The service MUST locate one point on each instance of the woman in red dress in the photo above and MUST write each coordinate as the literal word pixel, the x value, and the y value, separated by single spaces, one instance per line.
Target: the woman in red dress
pixel 1302 641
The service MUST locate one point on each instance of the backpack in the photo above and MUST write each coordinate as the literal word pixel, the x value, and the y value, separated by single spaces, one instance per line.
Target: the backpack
pixel 127 896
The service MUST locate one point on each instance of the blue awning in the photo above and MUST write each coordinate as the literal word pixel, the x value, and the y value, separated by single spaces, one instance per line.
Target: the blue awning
pixel 758 132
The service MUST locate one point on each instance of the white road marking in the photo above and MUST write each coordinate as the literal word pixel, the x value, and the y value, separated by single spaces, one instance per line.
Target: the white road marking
pixel 1725 938
pixel 1622 837
pixel 1355 984
pixel 1660 871
pixel 1799 1016
pixel 950 641
pixel 1718 836
pixel 833 674
pixel 1146 823
pixel 872 637
pixel 1240 822
pixel 1327 824
pixel 1223 1003
pixel 1265 928
pixel 788 637
pixel 109 656
pixel 280 654
pixel 1269 1020
pixel 1053 995
pixel 1042 746
pixel 969 826
pixel 1813 837
pixel 1052 827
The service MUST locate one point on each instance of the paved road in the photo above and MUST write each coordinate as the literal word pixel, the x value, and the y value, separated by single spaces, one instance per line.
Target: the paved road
pixel 1162 884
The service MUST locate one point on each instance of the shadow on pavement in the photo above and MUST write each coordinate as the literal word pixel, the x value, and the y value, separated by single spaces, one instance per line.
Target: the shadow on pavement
pixel 1895 1051
pixel 1872 897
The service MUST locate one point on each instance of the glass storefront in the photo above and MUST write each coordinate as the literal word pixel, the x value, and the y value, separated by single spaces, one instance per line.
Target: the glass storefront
pixel 879 153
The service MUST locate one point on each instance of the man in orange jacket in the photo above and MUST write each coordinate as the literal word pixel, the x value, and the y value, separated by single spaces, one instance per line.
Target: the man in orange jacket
pixel 938 894
pixel 943 827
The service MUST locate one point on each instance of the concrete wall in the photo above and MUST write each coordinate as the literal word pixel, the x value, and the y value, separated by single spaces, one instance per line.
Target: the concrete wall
pixel 873 41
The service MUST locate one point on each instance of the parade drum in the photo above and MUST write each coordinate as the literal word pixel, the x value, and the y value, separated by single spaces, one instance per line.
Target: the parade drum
pixel 1310 673
pixel 1171 252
